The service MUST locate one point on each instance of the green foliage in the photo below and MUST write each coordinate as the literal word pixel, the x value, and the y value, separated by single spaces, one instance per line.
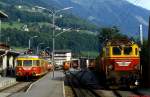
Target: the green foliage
pixel 40 23
pixel 110 33
pixel 75 41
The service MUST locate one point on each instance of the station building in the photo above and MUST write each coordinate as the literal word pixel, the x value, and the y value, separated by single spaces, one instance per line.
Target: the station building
pixel 62 55
pixel 7 56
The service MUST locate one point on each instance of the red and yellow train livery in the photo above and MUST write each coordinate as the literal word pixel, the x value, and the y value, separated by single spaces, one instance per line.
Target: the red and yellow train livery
pixel 119 62
pixel 30 66
pixel 74 63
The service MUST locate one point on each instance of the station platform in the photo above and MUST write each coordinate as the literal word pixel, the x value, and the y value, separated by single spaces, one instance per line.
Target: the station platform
pixel 6 82
pixel 47 86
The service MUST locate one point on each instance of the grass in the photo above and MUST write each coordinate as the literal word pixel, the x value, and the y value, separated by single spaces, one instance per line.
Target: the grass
pixel 90 54
pixel 19 48
pixel 17 25
pixel 12 25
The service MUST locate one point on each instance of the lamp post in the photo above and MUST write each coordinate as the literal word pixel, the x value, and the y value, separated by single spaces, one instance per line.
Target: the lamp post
pixel 30 41
pixel 53 12
pixel 37 51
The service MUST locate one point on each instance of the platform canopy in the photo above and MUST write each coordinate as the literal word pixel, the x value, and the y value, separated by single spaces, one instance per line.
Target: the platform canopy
pixel 3 15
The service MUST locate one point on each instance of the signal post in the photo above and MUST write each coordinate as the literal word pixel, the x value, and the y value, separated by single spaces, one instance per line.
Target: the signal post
pixel 148 75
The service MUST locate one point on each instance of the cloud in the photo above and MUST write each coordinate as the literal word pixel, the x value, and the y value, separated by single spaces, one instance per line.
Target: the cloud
pixel 142 3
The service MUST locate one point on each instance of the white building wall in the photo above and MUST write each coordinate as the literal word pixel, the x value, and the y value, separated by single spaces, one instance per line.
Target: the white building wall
pixel 11 61
pixel 60 58
pixel 4 62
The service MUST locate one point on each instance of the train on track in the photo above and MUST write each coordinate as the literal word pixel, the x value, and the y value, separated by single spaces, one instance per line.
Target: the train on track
pixel 119 63
pixel 71 64
pixel 31 66
pixel 79 64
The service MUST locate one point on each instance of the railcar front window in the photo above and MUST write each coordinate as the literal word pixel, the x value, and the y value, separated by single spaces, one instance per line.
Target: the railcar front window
pixel 127 50
pixel 36 63
pixel 19 63
pixel 27 62
pixel 116 51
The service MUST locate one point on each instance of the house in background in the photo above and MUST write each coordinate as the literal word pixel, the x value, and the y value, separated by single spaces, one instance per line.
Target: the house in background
pixel 60 56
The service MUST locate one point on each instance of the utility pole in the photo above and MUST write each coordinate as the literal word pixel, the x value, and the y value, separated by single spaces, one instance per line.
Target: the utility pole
pixel 141 34
pixel 148 82
pixel 0 29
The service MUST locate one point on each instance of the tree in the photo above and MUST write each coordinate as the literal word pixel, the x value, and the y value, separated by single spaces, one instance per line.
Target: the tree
pixel 109 33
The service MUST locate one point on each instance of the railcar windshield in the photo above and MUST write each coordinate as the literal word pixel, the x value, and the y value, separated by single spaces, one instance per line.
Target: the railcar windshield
pixel 116 51
pixel 19 63
pixel 127 50
pixel 27 62
pixel 36 63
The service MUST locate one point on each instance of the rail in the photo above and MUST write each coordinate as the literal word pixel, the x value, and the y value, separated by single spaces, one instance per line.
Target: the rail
pixel 83 89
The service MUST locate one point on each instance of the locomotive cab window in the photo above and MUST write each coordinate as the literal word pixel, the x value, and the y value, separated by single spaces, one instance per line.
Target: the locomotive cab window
pixel 127 50
pixel 116 51
pixel 27 62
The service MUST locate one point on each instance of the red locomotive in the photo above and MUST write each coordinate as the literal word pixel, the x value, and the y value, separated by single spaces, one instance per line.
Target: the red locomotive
pixel 119 62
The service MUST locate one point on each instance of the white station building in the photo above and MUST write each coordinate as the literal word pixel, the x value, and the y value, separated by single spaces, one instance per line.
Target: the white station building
pixel 62 55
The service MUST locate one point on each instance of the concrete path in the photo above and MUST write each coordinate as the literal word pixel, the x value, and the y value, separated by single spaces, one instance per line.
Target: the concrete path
pixel 46 87
pixel 6 82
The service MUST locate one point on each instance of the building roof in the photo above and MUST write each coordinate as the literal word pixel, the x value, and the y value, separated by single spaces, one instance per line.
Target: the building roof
pixel 3 15
pixel 62 51
pixel 117 42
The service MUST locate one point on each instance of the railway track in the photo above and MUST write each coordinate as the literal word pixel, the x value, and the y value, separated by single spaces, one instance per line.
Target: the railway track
pixel 18 87
pixel 78 89
pixel 81 89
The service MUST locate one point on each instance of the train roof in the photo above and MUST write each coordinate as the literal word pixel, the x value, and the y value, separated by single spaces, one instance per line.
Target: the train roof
pixel 29 56
pixel 116 42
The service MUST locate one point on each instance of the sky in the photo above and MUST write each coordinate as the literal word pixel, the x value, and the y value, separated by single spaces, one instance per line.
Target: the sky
pixel 142 3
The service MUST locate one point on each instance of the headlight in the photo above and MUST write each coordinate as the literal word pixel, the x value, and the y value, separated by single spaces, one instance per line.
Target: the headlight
pixel 136 82
pixel 33 68
pixel 110 67
pixel 19 68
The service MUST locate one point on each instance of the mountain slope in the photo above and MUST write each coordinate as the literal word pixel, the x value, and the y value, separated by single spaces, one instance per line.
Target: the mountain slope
pixel 26 21
pixel 109 12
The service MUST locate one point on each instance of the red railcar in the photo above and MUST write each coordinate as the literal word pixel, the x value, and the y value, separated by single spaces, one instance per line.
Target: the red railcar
pixel 91 64
pixel 30 66
pixel 66 65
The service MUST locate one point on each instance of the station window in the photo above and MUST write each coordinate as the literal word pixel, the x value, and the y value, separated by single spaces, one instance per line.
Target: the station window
pixel 27 62
pixel 116 51
pixel 19 63
pixel 127 50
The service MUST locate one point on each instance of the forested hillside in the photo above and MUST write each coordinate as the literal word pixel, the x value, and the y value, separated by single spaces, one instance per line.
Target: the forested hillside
pixel 26 21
